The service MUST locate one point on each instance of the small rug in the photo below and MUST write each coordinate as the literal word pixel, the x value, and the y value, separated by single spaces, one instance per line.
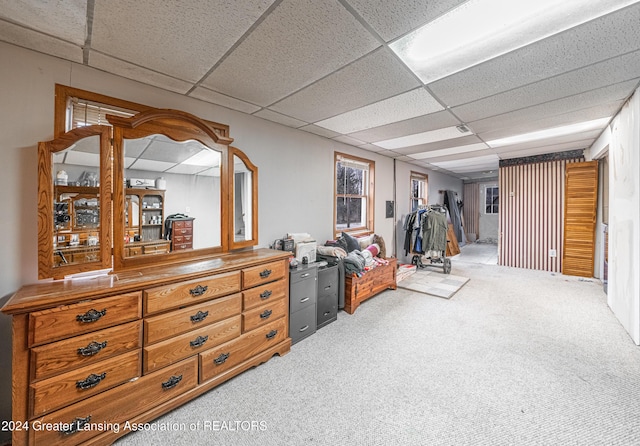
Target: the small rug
pixel 434 283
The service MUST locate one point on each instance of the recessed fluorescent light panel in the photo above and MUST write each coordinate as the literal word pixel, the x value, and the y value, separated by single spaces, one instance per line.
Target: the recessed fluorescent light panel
pixel 596 124
pixel 421 138
pixel 479 30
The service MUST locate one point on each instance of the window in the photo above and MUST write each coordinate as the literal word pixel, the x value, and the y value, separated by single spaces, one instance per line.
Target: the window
pixel 418 190
pixel 491 200
pixel 83 112
pixel 353 194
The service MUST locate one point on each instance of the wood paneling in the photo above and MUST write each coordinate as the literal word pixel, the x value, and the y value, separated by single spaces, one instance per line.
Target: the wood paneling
pixel 581 200
pixel 532 214
pixel 471 209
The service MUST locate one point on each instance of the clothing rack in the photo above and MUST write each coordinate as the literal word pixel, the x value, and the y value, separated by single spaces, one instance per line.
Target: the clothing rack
pixel 426 237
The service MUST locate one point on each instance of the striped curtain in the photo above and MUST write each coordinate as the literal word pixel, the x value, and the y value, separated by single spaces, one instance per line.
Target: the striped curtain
pixel 532 215
pixel 471 209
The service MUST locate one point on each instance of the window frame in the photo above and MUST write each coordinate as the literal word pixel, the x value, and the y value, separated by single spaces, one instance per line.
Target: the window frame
pixel 422 198
pixel 368 195
pixel 493 205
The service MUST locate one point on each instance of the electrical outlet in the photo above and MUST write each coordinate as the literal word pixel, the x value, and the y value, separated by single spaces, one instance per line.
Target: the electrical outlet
pixel 552 253
pixel 187 209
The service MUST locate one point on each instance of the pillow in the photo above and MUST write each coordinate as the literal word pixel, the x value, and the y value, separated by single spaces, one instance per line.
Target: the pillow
pixel 352 242
pixel 365 241
pixel 340 243
pixel 380 242
pixel 373 249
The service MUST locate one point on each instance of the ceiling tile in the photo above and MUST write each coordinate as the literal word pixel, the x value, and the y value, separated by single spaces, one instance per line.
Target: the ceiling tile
pixel 311 128
pixel 376 76
pixel 443 134
pixel 548 145
pixel 392 19
pixel 450 151
pixel 34 40
pixel 398 108
pixel 465 158
pixel 217 98
pixel 349 140
pixel 556 148
pixel 590 43
pixel 300 42
pixel 463 141
pixel 180 39
pixel 66 20
pixel 279 118
pixel 371 148
pixel 137 73
pixel 612 71
pixel 583 101
pixel 423 123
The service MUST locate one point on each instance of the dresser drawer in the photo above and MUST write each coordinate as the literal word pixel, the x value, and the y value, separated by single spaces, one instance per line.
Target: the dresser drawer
pixel 172 350
pixel 302 294
pixel 222 358
pixel 182 224
pixel 160 248
pixel 262 315
pixel 182 246
pixel 164 326
pixel 189 292
pixel 262 294
pixel 179 232
pixel 262 274
pixel 178 239
pixel 302 323
pixel 117 405
pixel 50 359
pixel 61 390
pixel 70 320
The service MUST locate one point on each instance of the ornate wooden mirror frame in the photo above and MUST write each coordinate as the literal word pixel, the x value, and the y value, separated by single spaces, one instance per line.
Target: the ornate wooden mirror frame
pixel 177 125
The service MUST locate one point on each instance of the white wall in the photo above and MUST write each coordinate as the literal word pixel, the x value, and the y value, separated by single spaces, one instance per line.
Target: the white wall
pixel 624 215
pixel 295 168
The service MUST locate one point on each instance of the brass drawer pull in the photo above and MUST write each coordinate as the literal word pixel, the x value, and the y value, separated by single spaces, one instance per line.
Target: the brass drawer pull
pixel 199 290
pixel 266 273
pixel 265 314
pixel 77 425
pixel 222 358
pixel 199 341
pixel 172 382
pixel 272 334
pixel 266 294
pixel 92 349
pixel 91 316
pixel 199 316
pixel 91 381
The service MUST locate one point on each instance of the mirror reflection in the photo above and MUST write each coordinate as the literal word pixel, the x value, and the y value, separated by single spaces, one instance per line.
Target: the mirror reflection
pixel 172 196
pixel 76 204
pixel 242 206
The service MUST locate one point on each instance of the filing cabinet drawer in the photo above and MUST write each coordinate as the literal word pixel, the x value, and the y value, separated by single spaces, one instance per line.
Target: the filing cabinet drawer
pixel 179 347
pixel 302 323
pixel 302 294
pixel 70 320
pixel 327 309
pixel 117 405
pixel 309 273
pixel 164 326
pixel 58 391
pixel 258 275
pixel 217 360
pixel 262 315
pixel 189 292
pixel 50 359
pixel 262 294
pixel 328 281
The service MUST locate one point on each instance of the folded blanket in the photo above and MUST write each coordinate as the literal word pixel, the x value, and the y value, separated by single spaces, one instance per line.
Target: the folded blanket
pixel 334 251
pixel 353 263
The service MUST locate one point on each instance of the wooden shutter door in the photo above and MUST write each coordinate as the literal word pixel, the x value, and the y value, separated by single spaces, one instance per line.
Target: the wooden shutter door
pixel 580 203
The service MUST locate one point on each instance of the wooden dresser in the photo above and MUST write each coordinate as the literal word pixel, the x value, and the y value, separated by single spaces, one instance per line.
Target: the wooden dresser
pixel 93 356
pixel 182 234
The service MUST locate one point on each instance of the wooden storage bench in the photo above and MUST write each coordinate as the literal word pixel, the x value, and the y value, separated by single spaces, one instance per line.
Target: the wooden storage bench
pixel 359 289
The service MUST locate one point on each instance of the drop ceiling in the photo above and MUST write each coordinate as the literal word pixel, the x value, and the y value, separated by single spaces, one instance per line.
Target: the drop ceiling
pixel 330 67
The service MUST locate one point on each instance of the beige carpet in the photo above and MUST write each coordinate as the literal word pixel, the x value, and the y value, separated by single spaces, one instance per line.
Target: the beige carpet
pixel 434 283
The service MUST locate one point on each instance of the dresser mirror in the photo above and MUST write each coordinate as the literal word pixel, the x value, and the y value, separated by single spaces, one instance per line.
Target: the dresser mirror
pixel 74 188
pixel 244 200
pixel 171 188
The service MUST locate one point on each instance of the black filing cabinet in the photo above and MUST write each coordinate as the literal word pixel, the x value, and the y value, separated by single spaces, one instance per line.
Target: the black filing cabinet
pixel 328 287
pixel 303 290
